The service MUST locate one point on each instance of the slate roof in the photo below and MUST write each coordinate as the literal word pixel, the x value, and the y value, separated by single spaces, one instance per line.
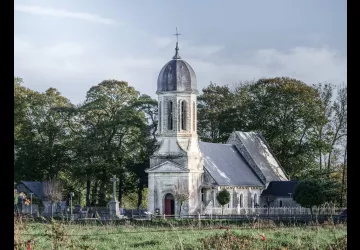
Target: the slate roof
pixel 177 75
pixel 35 187
pixel 280 188
pixel 261 154
pixel 227 166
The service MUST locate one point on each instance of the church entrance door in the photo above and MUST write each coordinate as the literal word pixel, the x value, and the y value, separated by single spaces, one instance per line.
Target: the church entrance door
pixel 169 204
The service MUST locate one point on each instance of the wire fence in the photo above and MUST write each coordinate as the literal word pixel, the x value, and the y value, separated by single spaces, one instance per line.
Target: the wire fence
pixel 103 213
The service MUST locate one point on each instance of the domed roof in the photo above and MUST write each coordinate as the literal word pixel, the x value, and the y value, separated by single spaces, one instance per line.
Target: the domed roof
pixel 177 75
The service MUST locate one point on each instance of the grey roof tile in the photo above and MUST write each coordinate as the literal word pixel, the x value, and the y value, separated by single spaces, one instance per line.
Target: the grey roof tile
pixel 36 187
pixel 280 188
pixel 262 156
pixel 177 75
pixel 226 165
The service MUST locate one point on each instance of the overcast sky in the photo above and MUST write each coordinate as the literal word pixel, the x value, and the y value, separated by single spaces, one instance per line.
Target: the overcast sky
pixel 73 45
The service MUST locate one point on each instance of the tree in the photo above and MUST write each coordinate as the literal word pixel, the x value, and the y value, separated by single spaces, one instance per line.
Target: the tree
pixel 181 193
pixel 268 198
pixel 211 104
pixel 53 191
pixel 147 145
pixel 339 121
pixel 344 179
pixel 315 192
pixel 41 135
pixel 323 129
pixel 223 197
pixel 286 111
pixel 308 194
pixel 114 127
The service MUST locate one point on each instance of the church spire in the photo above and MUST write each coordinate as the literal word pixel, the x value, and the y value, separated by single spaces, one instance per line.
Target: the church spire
pixel 177 56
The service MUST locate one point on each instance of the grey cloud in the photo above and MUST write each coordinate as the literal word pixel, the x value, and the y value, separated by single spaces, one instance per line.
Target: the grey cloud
pixel 39 10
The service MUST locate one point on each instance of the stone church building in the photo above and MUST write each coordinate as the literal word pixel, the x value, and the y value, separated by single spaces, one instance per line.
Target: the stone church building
pixel 245 165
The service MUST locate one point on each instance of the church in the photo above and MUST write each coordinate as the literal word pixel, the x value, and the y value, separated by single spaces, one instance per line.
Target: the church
pixel 245 165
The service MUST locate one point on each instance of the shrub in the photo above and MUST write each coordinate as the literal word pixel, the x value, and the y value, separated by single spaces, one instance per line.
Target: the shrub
pixel 223 197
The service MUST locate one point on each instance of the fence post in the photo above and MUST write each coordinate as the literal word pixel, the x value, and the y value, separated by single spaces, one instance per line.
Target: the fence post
pixel 164 216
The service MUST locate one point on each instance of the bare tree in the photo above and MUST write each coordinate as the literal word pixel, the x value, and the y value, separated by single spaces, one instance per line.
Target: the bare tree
pixel 339 122
pixel 343 179
pixel 181 193
pixel 53 191
pixel 269 198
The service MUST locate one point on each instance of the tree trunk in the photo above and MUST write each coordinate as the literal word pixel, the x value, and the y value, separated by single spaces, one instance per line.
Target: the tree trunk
pixel 88 185
pixel 343 177
pixel 102 194
pixel 94 193
pixel 222 210
pixel 268 208
pixel 121 188
pixel 180 209
pixel 140 190
pixel 79 196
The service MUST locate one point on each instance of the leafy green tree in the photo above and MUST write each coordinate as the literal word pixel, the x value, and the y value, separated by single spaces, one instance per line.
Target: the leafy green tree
pixel 115 126
pixel 211 104
pixel 308 194
pixel 223 197
pixel 41 135
pixel 286 111
pixel 315 192
pixel 137 165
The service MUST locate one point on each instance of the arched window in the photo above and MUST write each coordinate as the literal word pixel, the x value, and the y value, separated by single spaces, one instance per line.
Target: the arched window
pixel 280 203
pixel 194 116
pixel 183 115
pixel 241 200
pixel 170 116
pixel 159 117
pixel 202 194
pixel 255 200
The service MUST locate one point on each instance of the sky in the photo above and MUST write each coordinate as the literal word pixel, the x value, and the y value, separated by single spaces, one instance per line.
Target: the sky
pixel 74 45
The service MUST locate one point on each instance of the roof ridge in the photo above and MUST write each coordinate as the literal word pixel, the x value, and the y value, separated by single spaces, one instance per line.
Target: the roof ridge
pixel 271 152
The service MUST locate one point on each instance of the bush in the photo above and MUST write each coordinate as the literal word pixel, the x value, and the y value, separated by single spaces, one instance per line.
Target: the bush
pixel 223 197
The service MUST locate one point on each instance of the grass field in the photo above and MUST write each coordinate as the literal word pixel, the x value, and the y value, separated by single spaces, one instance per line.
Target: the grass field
pixel 71 236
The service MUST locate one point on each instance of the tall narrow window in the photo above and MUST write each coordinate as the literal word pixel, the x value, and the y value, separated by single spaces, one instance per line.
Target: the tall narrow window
pixel 241 200
pixel 183 115
pixel 281 203
pixel 170 116
pixel 255 200
pixel 194 116
pixel 159 117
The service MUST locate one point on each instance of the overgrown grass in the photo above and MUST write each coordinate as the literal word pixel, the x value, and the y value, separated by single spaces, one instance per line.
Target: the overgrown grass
pixel 58 235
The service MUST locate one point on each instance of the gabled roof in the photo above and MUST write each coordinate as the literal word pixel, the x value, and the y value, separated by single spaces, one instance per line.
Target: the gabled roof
pixel 35 187
pixel 227 166
pixel 280 188
pixel 255 150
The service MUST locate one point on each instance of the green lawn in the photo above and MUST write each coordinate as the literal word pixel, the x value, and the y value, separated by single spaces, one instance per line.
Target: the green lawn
pixel 70 236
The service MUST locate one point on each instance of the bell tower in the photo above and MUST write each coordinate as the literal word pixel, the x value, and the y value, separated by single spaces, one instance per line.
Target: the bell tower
pixel 178 159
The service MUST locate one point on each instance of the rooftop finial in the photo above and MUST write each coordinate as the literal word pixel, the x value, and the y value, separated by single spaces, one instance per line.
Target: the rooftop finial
pixel 177 34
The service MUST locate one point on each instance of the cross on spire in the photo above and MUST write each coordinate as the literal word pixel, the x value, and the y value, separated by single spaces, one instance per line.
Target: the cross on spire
pixel 177 34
